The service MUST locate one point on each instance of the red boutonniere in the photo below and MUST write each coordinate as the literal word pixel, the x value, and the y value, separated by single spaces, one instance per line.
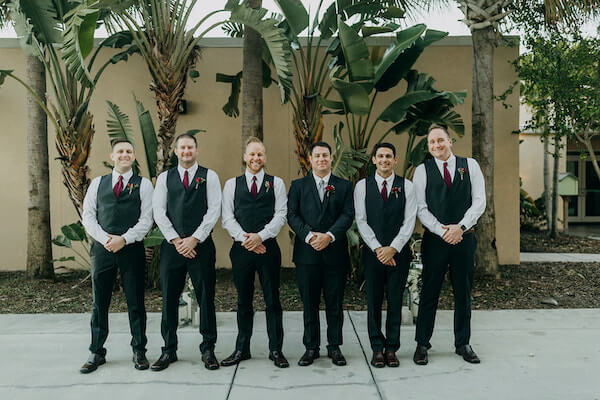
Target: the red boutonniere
pixel 131 186
pixel 268 185
pixel 395 191
pixel 329 189
pixel 462 172
pixel 199 181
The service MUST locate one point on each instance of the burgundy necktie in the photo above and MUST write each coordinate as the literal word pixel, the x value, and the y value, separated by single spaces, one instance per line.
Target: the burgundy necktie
pixel 253 188
pixel 384 191
pixel 447 176
pixel 118 187
pixel 186 180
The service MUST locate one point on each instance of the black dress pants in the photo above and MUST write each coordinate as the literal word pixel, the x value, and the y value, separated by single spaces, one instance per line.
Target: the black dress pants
pixel 438 257
pixel 331 280
pixel 130 262
pixel 173 270
pixel 244 265
pixel 391 281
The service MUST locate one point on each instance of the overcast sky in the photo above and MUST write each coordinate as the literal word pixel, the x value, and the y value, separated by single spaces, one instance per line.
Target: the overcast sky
pixel 446 19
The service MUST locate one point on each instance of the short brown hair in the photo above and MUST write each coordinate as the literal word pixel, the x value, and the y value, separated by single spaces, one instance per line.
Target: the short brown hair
pixel 186 136
pixel 438 126
pixel 253 139
pixel 115 142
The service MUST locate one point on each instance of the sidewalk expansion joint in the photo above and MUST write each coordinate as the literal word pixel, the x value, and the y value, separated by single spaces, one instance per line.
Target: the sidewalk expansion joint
pixel 365 356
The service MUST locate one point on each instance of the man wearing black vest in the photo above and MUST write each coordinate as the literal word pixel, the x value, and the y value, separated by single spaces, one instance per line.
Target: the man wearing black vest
pixel 386 208
pixel 320 211
pixel 117 214
pixel 187 204
pixel 254 211
pixel 450 199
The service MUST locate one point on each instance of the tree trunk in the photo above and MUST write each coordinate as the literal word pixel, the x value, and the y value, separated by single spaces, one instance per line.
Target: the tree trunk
pixel 554 225
pixel 39 244
pixel 252 100
pixel 590 149
pixel 547 184
pixel 486 257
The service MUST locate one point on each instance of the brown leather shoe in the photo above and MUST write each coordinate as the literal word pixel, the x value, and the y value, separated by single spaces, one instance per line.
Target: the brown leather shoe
pixel 278 359
pixel 210 361
pixel 468 354
pixel 235 358
pixel 420 356
pixel 92 364
pixel 308 357
pixel 337 358
pixel 378 361
pixel 390 359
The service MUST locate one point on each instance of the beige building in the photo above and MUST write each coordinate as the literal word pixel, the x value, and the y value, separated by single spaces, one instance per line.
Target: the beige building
pixel 448 61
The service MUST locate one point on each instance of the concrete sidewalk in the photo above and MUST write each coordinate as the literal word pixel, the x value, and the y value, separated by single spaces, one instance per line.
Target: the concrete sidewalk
pixel 526 354
pixel 560 257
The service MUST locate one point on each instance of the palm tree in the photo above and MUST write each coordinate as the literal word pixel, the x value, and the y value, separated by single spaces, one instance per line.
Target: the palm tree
pixel 42 25
pixel 39 245
pixel 252 99
pixel 170 50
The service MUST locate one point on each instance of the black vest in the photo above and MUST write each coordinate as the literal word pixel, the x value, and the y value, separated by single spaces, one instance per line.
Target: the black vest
pixel 186 208
pixel 448 205
pixel 387 218
pixel 116 216
pixel 254 213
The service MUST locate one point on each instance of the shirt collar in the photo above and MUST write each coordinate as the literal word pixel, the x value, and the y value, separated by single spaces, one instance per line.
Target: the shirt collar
pixel 379 179
pixel 325 178
pixel 126 175
pixel 259 176
pixel 451 160
pixel 191 170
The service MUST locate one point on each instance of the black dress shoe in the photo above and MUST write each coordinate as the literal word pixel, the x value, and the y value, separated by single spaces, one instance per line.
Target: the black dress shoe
pixel 308 357
pixel 235 358
pixel 468 354
pixel 378 361
pixel 210 361
pixel 420 357
pixel 337 358
pixel 164 361
pixel 92 364
pixel 278 359
pixel 390 359
pixel 140 361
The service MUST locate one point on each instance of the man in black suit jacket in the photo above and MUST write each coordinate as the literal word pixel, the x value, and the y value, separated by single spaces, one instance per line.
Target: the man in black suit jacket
pixel 320 211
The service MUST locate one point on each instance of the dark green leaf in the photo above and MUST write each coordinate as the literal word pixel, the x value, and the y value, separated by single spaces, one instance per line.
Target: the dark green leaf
pixel 148 136
pixel 153 238
pixel 295 15
pixel 74 232
pixel 62 241
pixel 356 52
pixel 398 108
pixel 354 96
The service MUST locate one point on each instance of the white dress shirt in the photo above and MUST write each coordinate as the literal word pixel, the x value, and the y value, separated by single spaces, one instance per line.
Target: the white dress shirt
pixel 274 226
pixel 318 180
pixel 410 212
pixel 478 203
pixel 90 206
pixel 213 199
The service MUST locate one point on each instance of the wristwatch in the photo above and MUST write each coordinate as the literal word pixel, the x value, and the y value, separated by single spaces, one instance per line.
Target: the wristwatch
pixel 463 228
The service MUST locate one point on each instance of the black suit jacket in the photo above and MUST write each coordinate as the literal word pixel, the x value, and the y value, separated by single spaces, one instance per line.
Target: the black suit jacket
pixel 306 213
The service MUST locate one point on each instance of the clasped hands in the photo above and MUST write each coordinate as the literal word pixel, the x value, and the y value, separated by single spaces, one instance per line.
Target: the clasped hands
pixel 319 240
pixel 253 243
pixel 115 243
pixel 385 255
pixel 453 234
pixel 186 246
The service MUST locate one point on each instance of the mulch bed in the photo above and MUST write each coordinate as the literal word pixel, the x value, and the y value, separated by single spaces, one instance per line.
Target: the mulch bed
pixel 540 242
pixel 519 287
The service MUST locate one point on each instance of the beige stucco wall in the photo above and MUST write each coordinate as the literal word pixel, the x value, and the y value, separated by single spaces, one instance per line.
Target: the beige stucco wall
pixel 220 147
